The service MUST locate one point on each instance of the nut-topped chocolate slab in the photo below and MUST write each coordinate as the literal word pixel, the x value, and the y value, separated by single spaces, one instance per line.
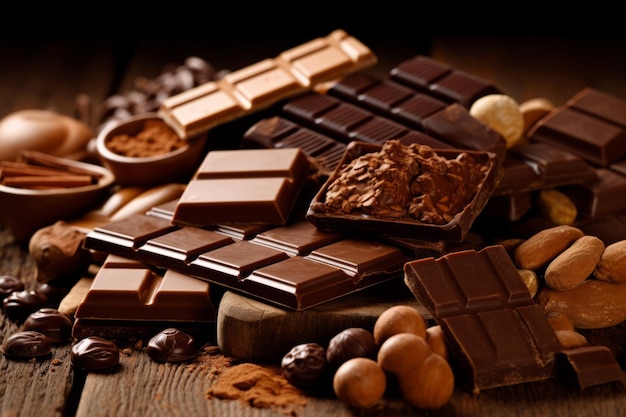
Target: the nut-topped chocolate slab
pixel 262 84
pixel 405 211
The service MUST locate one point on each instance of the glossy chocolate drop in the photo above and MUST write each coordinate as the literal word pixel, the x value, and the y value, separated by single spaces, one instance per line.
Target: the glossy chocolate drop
pixel 95 353
pixel 171 345
pixel 51 322
pixel 26 344
pixel 20 304
pixel 9 284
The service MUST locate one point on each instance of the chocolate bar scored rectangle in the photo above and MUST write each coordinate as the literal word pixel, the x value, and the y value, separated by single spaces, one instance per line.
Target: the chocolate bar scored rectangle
pixel 295 265
pixel 262 84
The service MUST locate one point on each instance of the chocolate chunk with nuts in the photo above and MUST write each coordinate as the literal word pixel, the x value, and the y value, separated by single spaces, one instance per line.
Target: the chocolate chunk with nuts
pixel 400 181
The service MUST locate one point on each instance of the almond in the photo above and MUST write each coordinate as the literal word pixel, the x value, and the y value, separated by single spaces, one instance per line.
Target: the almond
pixel 612 264
pixel 594 304
pixel 536 251
pixel 575 264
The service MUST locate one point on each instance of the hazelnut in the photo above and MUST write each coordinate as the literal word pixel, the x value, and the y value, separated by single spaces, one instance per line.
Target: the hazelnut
pixel 570 339
pixel 398 319
pixel 402 352
pixel 437 341
pixel 360 382
pixel 351 343
pixel 559 321
pixel 502 114
pixel 430 385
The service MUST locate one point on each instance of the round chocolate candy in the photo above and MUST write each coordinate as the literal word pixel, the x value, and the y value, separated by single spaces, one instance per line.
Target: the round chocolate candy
pixel 95 353
pixel 9 284
pixel 171 345
pixel 51 322
pixel 304 366
pixel 351 343
pixel 26 344
pixel 20 304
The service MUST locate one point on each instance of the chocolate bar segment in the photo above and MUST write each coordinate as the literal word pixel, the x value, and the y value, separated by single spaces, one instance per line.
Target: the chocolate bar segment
pixel 537 166
pixel 251 185
pixel 498 335
pixel 262 84
pixel 591 124
pixel 600 197
pixel 588 366
pixel 128 298
pixel 261 266
pixel 440 80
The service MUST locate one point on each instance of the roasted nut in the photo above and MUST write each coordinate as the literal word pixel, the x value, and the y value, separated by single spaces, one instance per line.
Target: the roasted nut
pixel 557 207
pixel 533 110
pixel 402 351
pixel 536 251
pixel 575 264
pixel 594 304
pixel 530 280
pixel 612 264
pixel 398 319
pixel 502 114
pixel 304 365
pixel 360 382
pixel 571 339
pixel 351 343
pixel 436 340
pixel 430 385
pixel 559 321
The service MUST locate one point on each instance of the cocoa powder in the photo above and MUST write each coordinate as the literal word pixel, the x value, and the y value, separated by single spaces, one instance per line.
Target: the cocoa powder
pixel 155 138
pixel 259 386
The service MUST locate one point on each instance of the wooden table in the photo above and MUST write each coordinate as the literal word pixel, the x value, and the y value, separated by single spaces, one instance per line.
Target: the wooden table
pixel 53 73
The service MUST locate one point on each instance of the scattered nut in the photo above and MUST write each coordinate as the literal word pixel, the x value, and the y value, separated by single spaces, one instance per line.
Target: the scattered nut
pixel 533 110
pixel 502 114
pixel 402 351
pixel 612 264
pixel 559 321
pixel 571 339
pixel 360 382
pixel 575 264
pixel 536 251
pixel 557 207
pixel 430 385
pixel 530 280
pixel 437 341
pixel 398 319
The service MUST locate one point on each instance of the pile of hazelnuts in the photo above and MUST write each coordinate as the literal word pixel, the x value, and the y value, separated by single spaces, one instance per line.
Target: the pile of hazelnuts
pixel 401 350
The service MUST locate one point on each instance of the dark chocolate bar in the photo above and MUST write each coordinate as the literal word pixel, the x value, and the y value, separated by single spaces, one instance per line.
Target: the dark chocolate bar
pixel 588 366
pixel 497 334
pixel 604 195
pixel 403 224
pixel 440 80
pixel 591 124
pixel 346 122
pixel 130 299
pixel 537 166
pixel 294 265
pixel 387 98
pixel 251 185
pixel 278 132
pixel 260 85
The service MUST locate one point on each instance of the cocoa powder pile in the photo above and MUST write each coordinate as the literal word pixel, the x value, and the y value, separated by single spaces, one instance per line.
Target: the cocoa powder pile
pixel 156 138
pixel 259 386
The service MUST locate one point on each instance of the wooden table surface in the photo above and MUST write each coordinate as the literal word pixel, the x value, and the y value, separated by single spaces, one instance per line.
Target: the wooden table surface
pixel 52 73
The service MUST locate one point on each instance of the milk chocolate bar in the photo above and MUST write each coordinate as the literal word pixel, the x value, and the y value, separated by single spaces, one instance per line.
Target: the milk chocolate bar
pixel 295 265
pixel 130 299
pixel 258 185
pixel 399 223
pixel 262 84
pixel 591 124
pixel 440 80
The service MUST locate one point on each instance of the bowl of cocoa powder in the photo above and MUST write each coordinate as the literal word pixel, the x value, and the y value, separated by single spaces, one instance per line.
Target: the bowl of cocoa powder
pixel 142 150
